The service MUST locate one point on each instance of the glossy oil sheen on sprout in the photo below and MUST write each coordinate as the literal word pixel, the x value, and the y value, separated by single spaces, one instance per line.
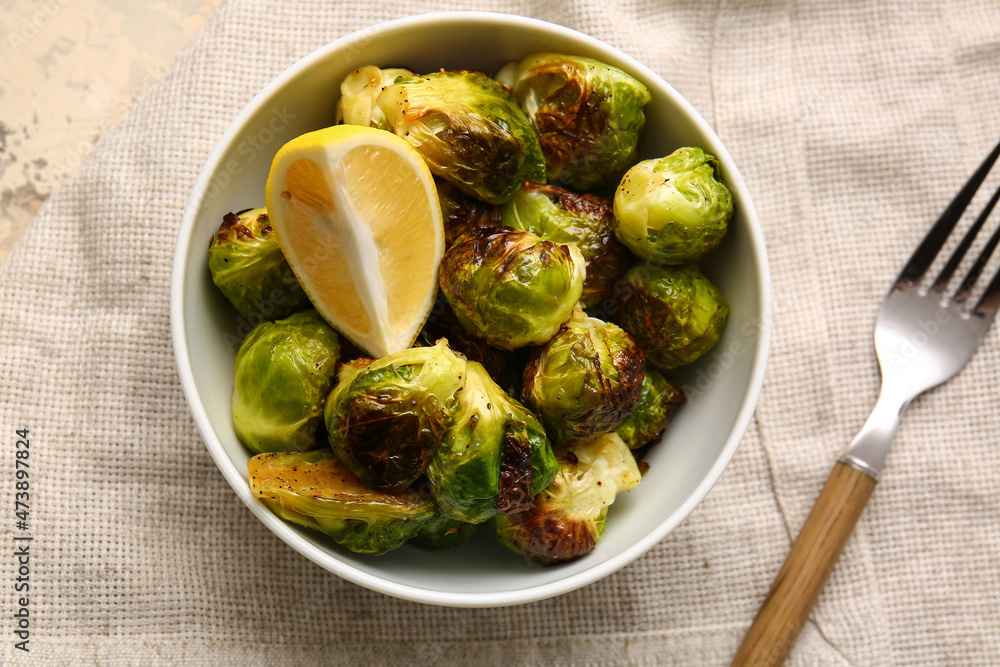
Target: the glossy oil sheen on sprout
pixel 385 420
pixel 589 116
pixel 673 209
pixel 493 458
pixel 283 372
pixel 511 288
pixel 469 130
pixel 315 490
pixel 584 381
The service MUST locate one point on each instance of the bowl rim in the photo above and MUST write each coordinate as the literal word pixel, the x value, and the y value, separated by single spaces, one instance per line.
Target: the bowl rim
pixel 343 569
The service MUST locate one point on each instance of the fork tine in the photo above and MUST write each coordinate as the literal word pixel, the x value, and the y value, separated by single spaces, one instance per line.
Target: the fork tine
pixel 956 258
pixel 928 249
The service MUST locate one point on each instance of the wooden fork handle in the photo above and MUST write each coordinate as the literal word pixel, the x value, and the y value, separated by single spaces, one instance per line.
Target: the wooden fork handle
pixel 807 567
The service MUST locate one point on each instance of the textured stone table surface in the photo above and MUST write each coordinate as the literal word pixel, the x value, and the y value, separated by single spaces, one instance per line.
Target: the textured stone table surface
pixel 70 70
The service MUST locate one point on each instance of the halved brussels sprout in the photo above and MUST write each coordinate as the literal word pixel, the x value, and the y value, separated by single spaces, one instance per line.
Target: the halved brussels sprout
pixel 358 91
pixel 584 381
pixel 675 314
pixel 443 532
pixel 469 130
pixel 385 419
pixel 493 458
pixel 660 398
pixel 673 209
pixel 248 267
pixel 462 213
pixel 588 115
pixel 510 287
pixel 283 372
pixel 566 520
pixel 585 220
pixel 315 490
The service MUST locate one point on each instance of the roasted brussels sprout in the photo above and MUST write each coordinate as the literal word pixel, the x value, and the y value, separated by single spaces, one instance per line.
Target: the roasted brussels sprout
pixel 283 372
pixel 674 209
pixel 568 517
pixel 659 400
pixel 315 490
pixel 358 91
pixel 586 220
pixel 493 458
pixel 248 267
pixel 584 381
pixel 510 287
pixel 385 419
pixel 443 532
pixel 588 116
pixel 462 213
pixel 469 130
pixel 675 314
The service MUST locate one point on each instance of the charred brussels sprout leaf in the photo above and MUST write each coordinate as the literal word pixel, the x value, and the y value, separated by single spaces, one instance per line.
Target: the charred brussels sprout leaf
pixel 510 287
pixel 493 458
pixel 469 130
pixel 463 214
pixel 314 489
pixel 659 400
pixel 674 209
pixel 585 220
pixel 588 116
pixel 675 314
pixel 584 381
pixel 566 520
pixel 248 267
pixel 443 532
pixel 358 91
pixel 385 419
pixel 283 372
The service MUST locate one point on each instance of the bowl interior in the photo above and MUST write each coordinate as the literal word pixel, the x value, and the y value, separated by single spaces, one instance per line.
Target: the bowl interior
pixel 722 386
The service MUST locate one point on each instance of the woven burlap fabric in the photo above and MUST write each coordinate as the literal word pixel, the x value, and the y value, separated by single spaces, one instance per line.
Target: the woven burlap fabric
pixel 853 124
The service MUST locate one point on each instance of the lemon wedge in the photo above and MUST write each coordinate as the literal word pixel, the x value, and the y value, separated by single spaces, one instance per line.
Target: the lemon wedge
pixel 358 218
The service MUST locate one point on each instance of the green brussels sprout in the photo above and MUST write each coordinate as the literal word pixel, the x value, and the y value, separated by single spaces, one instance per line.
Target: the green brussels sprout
pixel 443 532
pixel 675 314
pixel 588 116
pixel 462 213
pixel 566 520
pixel 469 130
pixel 510 287
pixel 358 91
pixel 283 372
pixel 585 220
pixel 584 381
pixel 385 418
pixel 316 490
pixel 493 458
pixel 675 209
pixel 247 265
pixel 660 398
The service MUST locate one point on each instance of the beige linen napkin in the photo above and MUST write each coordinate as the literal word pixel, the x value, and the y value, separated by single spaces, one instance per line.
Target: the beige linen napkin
pixel 853 123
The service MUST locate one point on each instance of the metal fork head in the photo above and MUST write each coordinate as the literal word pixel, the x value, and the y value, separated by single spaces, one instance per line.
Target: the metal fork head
pixel 923 336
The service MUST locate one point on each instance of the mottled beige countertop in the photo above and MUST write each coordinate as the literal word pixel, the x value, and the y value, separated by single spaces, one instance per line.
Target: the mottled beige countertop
pixel 71 68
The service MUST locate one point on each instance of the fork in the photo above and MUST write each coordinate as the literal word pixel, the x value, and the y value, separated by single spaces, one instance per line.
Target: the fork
pixel 923 337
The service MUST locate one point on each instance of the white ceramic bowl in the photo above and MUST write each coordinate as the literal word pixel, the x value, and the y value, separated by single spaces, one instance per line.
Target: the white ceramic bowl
pixel 723 386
